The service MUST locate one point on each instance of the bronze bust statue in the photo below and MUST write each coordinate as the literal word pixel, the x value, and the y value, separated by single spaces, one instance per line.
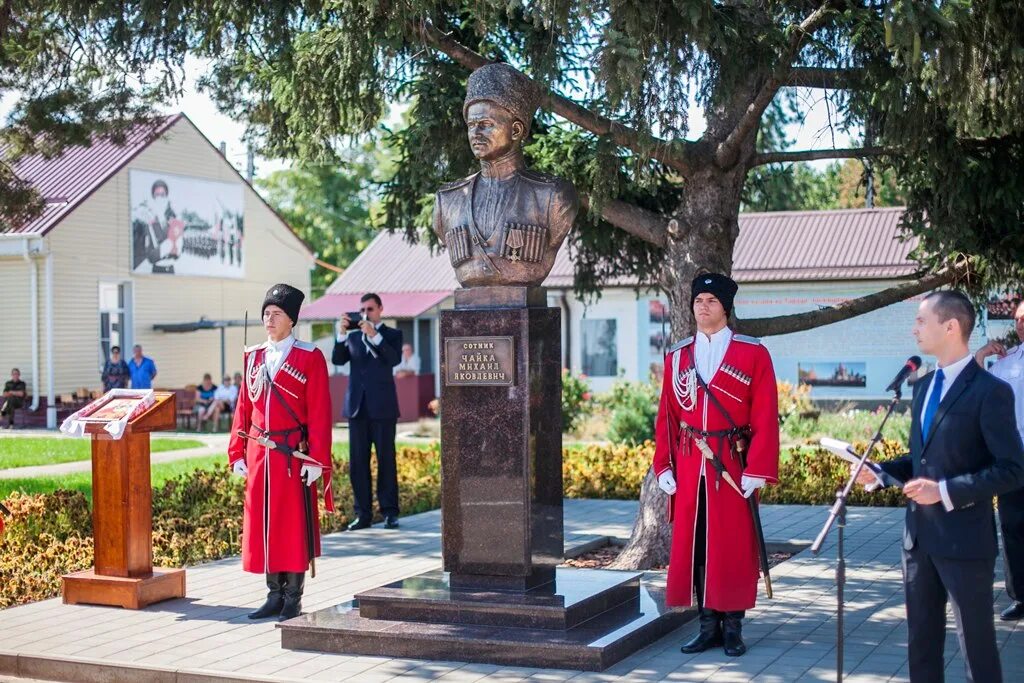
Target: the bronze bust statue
pixel 504 224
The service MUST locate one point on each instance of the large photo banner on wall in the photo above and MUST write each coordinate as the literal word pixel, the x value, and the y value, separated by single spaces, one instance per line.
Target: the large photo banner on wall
pixel 186 226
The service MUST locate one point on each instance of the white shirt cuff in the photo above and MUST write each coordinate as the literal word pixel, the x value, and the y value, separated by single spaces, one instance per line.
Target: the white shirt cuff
pixel 376 339
pixel 340 338
pixel 947 502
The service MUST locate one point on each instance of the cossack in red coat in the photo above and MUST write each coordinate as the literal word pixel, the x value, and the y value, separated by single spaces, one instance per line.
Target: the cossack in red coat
pixel 744 385
pixel 274 536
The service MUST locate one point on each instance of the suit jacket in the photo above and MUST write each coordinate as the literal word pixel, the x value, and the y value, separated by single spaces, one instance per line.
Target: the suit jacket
pixel 973 444
pixel 371 382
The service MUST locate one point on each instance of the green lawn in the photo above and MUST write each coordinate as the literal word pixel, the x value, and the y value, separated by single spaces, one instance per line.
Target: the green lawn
pixel 29 450
pixel 82 481
pixel 161 472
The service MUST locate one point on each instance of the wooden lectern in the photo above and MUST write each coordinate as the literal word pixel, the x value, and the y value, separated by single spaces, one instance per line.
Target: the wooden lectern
pixel 122 519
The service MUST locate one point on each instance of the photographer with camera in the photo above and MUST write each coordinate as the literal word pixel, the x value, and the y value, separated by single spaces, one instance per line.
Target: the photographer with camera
pixel 371 406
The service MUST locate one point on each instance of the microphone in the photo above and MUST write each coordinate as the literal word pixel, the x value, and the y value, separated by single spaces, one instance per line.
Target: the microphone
pixel 910 367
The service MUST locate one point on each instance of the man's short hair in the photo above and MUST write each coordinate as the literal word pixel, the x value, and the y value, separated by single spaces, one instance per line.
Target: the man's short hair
pixel 208 376
pixel 115 349
pixel 370 295
pixel 950 303
pixel 137 346
pixel 15 370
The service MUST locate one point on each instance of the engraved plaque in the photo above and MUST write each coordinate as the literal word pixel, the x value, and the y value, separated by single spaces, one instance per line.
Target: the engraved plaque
pixel 479 361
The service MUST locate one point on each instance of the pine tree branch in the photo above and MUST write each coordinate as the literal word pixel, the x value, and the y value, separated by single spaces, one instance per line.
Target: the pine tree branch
pixel 675 155
pixel 815 154
pixel 649 226
pixel 798 322
pixel 821 77
pixel 728 150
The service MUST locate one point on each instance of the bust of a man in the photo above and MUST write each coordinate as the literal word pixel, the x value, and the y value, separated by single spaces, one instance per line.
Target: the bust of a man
pixel 504 224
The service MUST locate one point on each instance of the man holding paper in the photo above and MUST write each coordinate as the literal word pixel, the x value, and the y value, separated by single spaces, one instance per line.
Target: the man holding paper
pixel 716 443
pixel 964 449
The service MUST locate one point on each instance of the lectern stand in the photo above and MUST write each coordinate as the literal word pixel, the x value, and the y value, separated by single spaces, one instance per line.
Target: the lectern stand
pixel 122 519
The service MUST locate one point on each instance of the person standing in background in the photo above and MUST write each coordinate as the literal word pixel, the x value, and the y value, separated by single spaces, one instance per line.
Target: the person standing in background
pixel 115 373
pixel 142 369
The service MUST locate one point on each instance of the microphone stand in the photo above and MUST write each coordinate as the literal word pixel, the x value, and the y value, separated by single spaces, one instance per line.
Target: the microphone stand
pixel 837 516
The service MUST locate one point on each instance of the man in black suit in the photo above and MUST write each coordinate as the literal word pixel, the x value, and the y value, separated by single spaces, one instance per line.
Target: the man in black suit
pixel 964 449
pixel 371 406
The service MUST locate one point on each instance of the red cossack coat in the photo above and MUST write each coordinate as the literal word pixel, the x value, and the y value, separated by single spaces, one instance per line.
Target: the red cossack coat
pixel 744 385
pixel 273 529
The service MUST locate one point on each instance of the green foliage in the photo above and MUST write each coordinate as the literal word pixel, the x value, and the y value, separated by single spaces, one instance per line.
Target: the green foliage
pixel 941 84
pixel 633 408
pixel 811 476
pixel 577 401
pixel 849 425
pixel 329 206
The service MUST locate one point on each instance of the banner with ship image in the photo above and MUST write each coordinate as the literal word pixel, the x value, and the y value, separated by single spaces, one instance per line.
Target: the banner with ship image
pixel 186 226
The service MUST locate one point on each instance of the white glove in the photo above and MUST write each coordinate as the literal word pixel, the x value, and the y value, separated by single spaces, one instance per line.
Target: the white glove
pixel 750 484
pixel 310 473
pixel 239 469
pixel 667 483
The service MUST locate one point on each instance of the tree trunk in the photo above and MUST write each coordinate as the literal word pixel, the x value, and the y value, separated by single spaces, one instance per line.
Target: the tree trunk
pixel 702 241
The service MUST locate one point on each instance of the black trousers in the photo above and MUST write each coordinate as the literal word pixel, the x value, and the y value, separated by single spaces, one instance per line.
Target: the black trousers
pixel 362 433
pixel 1011 523
pixel 929 581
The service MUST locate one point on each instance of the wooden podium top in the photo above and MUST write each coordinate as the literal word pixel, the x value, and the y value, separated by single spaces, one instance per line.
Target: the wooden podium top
pixel 159 417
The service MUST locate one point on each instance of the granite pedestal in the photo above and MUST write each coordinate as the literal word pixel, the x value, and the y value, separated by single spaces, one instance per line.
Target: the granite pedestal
pixel 499 598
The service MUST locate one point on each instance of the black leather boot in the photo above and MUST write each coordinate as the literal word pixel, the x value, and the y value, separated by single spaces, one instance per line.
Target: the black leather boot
pixel 293 585
pixel 710 634
pixel 732 633
pixel 275 598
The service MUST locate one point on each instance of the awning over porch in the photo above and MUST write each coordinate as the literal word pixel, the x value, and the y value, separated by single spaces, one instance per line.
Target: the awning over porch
pixel 401 305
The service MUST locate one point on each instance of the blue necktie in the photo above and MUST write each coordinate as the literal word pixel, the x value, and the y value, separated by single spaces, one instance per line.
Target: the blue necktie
pixel 933 403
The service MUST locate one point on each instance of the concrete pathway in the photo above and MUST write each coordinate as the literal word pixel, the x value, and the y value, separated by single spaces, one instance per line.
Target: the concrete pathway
pixel 206 637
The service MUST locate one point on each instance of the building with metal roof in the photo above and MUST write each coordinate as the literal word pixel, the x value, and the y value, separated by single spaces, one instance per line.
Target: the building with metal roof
pixel 137 243
pixel 785 262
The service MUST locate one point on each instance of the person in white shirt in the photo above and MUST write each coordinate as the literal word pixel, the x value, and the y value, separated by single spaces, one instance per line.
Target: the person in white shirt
pixel 410 363
pixel 224 399
pixel 1010 369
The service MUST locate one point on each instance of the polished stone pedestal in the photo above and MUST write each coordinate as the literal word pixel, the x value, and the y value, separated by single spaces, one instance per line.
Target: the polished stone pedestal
pixel 585 619
pixel 501 597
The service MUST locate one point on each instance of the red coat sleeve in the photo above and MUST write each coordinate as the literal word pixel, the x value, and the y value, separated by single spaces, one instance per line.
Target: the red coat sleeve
pixel 662 461
pixel 318 415
pixel 240 421
pixel 763 458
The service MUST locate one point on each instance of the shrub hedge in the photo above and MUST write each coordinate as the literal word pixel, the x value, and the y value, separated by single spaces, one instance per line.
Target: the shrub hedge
pixel 198 517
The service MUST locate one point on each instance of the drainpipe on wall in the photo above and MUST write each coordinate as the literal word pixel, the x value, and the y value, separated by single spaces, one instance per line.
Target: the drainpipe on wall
pixel 51 405
pixel 34 298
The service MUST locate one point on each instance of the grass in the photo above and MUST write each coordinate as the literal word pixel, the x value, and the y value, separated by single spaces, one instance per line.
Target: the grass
pixel 29 450
pixel 159 473
pixel 82 481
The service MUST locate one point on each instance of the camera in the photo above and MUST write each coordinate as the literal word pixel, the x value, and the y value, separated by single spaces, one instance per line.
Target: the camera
pixel 354 318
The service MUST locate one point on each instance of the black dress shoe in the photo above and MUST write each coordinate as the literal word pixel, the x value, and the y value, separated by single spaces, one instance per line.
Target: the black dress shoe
pixel 391 522
pixel 1013 612
pixel 709 636
pixel 732 634
pixel 359 524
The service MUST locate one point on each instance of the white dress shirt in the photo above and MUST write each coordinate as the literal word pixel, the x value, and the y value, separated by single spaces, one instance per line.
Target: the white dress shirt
pixel 708 352
pixel 1010 369
pixel 950 372
pixel 276 353
pixel 411 364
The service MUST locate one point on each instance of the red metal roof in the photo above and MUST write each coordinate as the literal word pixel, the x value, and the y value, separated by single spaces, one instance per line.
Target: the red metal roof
pixel 844 244
pixel 67 180
pixel 396 304
pixel 848 244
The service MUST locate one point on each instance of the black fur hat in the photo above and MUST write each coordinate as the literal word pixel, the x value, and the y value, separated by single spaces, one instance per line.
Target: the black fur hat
pixel 722 286
pixel 287 298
